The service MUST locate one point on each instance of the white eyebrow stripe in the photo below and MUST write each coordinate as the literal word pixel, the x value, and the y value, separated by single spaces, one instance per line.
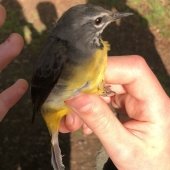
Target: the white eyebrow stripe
pixel 101 15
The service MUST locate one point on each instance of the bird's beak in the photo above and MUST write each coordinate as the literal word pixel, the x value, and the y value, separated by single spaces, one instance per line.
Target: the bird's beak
pixel 119 15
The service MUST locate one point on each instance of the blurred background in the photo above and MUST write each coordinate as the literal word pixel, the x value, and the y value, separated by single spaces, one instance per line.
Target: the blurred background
pixel 26 146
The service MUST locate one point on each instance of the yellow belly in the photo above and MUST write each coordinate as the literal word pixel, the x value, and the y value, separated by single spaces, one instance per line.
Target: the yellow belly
pixel 88 78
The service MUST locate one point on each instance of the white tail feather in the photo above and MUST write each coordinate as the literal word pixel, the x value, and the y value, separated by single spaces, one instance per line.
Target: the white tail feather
pixel 56 157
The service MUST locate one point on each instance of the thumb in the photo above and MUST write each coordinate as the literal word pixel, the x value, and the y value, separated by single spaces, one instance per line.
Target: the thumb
pixel 98 116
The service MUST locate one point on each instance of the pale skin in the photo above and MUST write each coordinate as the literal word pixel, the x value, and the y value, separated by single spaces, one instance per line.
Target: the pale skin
pixel 9 49
pixel 141 143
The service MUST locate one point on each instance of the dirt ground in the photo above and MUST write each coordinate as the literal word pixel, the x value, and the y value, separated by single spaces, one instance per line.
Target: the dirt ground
pixel 26 146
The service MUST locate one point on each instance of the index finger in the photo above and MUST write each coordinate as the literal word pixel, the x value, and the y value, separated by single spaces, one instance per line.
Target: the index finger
pixel 133 73
pixel 11 96
pixel 10 49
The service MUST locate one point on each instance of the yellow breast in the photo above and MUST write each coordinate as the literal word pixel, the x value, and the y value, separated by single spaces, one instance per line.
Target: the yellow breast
pixel 87 78
pixel 91 73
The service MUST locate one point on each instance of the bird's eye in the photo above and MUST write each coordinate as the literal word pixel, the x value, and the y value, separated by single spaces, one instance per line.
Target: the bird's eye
pixel 98 21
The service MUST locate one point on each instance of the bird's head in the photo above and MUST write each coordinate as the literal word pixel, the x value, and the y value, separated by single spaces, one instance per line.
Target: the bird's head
pixel 83 24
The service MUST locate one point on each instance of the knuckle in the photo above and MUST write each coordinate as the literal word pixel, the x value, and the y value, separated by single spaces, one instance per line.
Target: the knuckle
pixel 99 117
pixel 139 61
pixel 93 106
pixel 90 106
pixel 139 65
pixel 95 114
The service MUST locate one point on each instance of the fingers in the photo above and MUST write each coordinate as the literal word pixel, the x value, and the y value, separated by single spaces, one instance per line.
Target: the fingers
pixel 70 123
pixel 135 76
pixel 10 49
pixel 143 93
pixel 2 15
pixel 134 108
pixel 11 96
pixel 100 119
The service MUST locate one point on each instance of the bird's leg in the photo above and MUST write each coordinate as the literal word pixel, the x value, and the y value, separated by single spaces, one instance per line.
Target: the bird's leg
pixel 108 92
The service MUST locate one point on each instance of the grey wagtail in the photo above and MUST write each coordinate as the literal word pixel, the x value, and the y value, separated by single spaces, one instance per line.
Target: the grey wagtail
pixel 73 61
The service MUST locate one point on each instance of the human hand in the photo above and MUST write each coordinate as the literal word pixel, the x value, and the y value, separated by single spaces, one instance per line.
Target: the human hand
pixel 8 51
pixel 142 142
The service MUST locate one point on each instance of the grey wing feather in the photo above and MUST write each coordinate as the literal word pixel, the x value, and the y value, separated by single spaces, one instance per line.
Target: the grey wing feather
pixel 47 72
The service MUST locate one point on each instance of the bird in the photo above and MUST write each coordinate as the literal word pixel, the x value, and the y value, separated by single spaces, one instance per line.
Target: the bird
pixel 72 61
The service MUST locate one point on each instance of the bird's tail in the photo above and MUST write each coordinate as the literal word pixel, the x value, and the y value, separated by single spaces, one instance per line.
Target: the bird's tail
pixel 56 157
